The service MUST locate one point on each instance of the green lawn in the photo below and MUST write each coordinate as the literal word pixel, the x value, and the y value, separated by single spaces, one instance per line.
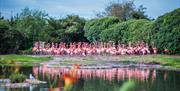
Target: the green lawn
pixel 25 60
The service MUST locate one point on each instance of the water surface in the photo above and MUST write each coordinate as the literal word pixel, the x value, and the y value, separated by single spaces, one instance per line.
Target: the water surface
pixel 114 79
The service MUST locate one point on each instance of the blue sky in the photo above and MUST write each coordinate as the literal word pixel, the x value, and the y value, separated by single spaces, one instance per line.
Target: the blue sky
pixel 83 8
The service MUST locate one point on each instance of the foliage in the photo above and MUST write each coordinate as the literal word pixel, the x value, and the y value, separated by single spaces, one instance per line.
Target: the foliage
pixel 66 30
pixel 115 33
pixel 94 27
pixel 20 32
pixel 137 30
pixel 166 31
pixel 28 51
pixel 129 31
pixel 69 29
pixel 31 24
pixel 124 10
pixel 128 86
pixel 139 13
pixel 52 81
pixel 3 31
pixel 10 38
pixel 17 78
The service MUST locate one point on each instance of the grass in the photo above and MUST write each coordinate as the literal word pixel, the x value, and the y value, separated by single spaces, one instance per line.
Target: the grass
pixel 170 61
pixel 164 60
pixel 23 59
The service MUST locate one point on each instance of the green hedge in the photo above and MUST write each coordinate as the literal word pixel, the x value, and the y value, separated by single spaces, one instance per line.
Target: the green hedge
pixel 163 33
pixel 132 30
pixel 166 31
pixel 94 27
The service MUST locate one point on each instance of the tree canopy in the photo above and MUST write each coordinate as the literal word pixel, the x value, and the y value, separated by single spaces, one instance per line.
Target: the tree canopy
pixel 166 31
pixel 124 11
pixel 94 27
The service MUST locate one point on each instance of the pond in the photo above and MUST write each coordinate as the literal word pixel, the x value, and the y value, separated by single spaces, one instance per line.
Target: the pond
pixel 107 79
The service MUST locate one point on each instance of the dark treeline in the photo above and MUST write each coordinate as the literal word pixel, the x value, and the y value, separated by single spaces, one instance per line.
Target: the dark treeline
pixel 120 22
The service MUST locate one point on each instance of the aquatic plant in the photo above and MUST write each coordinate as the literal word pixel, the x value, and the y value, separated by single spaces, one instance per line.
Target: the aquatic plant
pixel 17 77
pixel 128 86
pixel 52 81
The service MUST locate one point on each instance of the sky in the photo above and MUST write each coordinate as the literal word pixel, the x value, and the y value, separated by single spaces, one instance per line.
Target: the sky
pixel 83 8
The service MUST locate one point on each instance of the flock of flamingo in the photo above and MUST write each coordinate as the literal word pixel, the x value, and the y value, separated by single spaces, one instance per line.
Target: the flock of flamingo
pixel 72 75
pixel 84 48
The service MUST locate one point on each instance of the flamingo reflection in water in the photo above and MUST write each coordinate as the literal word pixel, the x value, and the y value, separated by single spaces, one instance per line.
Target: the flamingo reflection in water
pixel 71 76
pixel 107 74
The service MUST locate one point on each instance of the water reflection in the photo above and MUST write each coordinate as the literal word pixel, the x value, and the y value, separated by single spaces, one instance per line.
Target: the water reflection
pixel 129 85
pixel 71 75
pixel 78 79
pixel 106 74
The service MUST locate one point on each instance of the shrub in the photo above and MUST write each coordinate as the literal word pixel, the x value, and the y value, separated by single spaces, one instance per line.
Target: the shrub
pixel 167 32
pixel 115 33
pixel 28 51
pixel 17 78
pixel 138 30
pixel 94 27
pixel 129 31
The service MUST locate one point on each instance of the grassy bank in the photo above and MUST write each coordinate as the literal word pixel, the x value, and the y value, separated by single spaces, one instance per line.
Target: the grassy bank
pixel 164 60
pixel 23 59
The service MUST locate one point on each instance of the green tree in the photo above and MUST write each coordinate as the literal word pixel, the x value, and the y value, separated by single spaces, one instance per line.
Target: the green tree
pixel 139 13
pixel 53 31
pixel 73 26
pixel 3 38
pixel 128 31
pixel 31 24
pixel 69 29
pixel 10 38
pixel 124 11
pixel 138 30
pixel 167 32
pixel 94 27
pixel 115 33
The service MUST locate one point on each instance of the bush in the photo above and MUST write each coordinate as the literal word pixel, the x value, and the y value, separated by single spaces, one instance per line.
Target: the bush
pixel 167 32
pixel 115 33
pixel 138 30
pixel 129 31
pixel 94 27
pixel 17 78
pixel 28 51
